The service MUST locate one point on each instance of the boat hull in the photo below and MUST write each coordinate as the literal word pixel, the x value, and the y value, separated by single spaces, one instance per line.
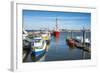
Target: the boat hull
pixel 70 42
pixel 38 52
pixel 57 34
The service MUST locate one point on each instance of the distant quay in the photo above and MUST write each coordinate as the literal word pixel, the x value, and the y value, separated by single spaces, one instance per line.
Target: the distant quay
pixel 62 30
pixel 87 30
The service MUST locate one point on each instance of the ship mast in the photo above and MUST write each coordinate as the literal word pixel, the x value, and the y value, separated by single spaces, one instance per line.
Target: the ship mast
pixel 56 32
pixel 56 24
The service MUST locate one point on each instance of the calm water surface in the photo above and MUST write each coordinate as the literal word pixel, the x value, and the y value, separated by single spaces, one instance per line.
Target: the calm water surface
pixel 59 50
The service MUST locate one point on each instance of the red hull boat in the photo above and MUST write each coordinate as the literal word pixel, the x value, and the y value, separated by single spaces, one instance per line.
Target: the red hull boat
pixel 56 32
pixel 70 42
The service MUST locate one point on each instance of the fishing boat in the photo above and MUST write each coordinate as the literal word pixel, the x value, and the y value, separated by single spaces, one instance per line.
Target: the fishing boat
pixel 82 44
pixel 26 44
pixel 25 34
pixel 70 42
pixel 26 48
pixel 38 46
pixel 56 31
pixel 79 39
pixel 78 42
pixel 46 36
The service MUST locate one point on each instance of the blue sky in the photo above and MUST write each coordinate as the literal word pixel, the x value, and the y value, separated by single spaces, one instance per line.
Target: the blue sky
pixel 36 20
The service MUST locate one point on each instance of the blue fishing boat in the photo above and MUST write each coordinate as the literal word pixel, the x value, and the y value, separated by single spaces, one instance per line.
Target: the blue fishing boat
pixel 38 46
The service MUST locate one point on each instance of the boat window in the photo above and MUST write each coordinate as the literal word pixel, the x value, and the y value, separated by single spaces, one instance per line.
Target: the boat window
pixel 37 41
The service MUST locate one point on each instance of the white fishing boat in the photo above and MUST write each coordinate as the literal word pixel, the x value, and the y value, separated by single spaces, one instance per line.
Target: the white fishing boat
pixel 46 36
pixel 80 38
pixel 25 34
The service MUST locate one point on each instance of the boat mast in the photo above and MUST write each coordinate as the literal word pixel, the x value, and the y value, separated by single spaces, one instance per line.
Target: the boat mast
pixel 56 24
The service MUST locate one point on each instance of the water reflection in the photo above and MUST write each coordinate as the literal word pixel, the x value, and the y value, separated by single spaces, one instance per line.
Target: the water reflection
pixel 39 58
pixel 56 40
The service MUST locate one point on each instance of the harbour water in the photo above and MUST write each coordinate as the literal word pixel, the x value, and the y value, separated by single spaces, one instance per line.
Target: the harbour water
pixel 58 50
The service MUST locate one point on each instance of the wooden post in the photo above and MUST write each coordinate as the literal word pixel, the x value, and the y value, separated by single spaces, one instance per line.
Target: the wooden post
pixel 84 37
pixel 83 42
pixel 71 34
